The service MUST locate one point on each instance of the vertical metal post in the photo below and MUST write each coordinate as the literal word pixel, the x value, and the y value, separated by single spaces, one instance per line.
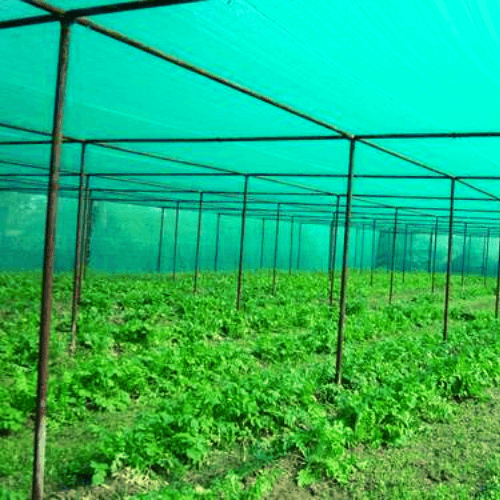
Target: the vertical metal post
pixel 436 232
pixel 429 261
pixel 355 248
pixel 198 240
pixel 497 291
pixel 334 249
pixel 276 241
pixel 362 253
pixel 88 234
pixel 374 256
pixel 410 253
pixel 405 246
pixel 160 245
pixel 217 238
pixel 291 248
pixel 242 243
pixel 262 243
pixel 464 252
pixel 78 252
pixel 449 262
pixel 469 253
pixel 83 248
pixel 345 265
pixel 299 247
pixel 391 287
pixel 48 264
pixel 486 255
pixel 176 237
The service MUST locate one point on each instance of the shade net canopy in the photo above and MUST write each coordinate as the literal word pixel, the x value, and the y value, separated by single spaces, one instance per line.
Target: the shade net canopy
pixel 182 99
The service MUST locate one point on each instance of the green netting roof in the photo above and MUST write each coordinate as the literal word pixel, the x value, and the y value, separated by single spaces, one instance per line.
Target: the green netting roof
pixel 364 68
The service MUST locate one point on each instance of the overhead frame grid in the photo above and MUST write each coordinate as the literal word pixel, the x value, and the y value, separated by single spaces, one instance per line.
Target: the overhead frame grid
pixel 303 195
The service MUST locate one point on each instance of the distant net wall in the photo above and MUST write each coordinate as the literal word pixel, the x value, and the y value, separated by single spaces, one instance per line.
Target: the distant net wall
pixel 126 238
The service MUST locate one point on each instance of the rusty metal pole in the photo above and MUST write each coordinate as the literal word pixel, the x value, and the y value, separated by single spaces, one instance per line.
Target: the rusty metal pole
pixel 469 253
pixel 276 247
pixel 405 246
pixel 242 243
pixel 362 253
pixel 88 234
pixel 78 252
pixel 290 260
pixel 176 237
pixel 299 246
pixel 393 259
pixel 83 249
pixel 486 255
pixel 262 243
pixel 345 266
pixel 449 263
pixel 333 252
pixel 436 232
pixel 48 264
pixel 464 253
pixel 217 238
pixel 198 240
pixel 374 258
pixel 160 245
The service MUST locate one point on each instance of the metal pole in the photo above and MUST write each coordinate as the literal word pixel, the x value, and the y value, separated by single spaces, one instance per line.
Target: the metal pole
pixel 356 248
pixel 242 243
pixel 429 267
pixel 449 262
pixel 48 264
pixel 198 239
pixel 362 253
pixel 405 246
pixel 217 238
pixel 262 243
pixel 160 245
pixel 374 258
pixel 299 246
pixel 487 253
pixel 88 234
pixel 345 266
pixel 83 248
pixel 78 252
pixel 435 256
pixel 291 248
pixel 333 251
pixel 497 292
pixel 464 252
pixel 276 247
pixel 468 254
pixel 176 236
pixel 410 253
pixel 391 288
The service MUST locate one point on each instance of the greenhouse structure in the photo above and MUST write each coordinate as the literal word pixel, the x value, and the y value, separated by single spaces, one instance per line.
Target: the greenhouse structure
pixel 192 136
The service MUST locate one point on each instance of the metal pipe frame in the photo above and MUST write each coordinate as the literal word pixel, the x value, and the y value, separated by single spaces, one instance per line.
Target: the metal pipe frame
pixel 176 237
pixel 436 233
pixel 160 244
pixel 374 257
pixel 393 258
pixel 362 253
pixel 78 253
pixel 486 256
pixel 242 245
pixel 405 246
pixel 48 265
pixel 197 254
pixel 290 260
pixel 345 266
pixel 469 254
pixel 464 253
pixel 449 263
pixel 276 242
pixel 217 238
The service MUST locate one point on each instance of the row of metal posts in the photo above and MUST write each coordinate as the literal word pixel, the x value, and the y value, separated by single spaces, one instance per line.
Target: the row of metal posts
pixel 81 257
